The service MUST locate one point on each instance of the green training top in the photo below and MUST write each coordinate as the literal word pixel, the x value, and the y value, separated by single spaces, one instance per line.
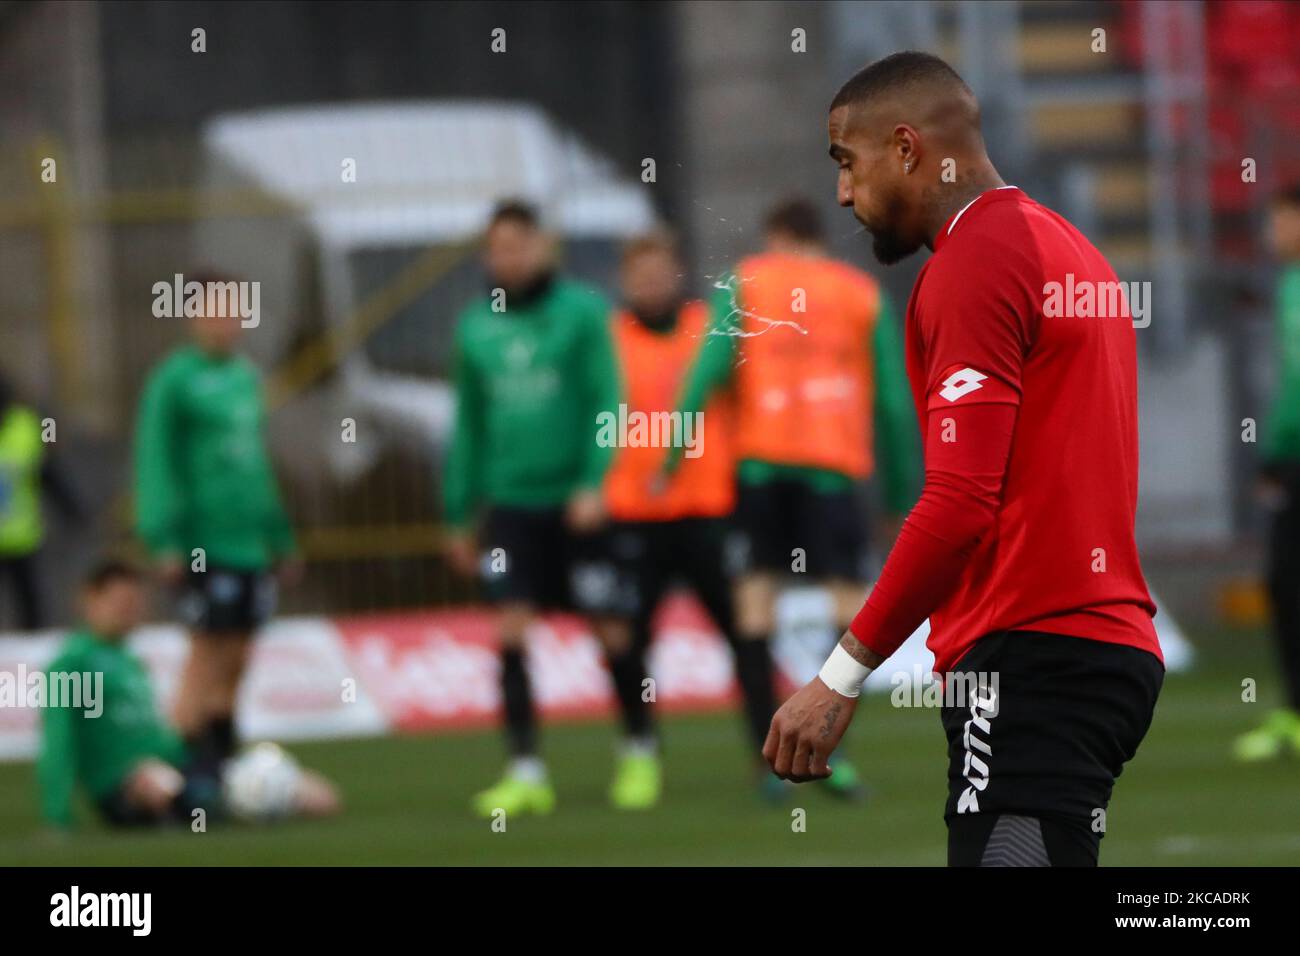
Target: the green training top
pixel 203 477
pixel 898 454
pixel 1282 437
pixel 99 751
pixel 530 382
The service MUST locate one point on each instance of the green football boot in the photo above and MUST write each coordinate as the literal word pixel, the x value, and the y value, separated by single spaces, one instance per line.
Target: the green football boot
pixel 638 782
pixel 1279 733
pixel 516 797
pixel 844 783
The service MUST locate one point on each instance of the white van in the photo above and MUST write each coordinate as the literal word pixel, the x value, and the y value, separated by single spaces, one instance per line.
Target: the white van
pixel 365 232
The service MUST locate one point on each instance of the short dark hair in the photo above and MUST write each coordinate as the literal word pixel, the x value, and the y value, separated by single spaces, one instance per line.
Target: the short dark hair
pixel 657 240
pixel 1288 196
pixel 895 72
pixel 108 571
pixel 797 217
pixel 518 211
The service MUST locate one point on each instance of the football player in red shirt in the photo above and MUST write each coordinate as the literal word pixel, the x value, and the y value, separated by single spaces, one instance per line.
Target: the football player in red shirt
pixel 1021 353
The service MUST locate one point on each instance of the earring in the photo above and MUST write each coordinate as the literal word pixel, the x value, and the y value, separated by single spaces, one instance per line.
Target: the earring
pixel 907 167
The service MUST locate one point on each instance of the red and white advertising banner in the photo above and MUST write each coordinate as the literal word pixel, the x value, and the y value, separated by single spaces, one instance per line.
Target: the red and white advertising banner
pixel 440 670
pixel 314 677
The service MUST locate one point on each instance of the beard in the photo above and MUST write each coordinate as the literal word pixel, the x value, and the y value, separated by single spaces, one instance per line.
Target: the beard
pixel 889 247
pixel 888 244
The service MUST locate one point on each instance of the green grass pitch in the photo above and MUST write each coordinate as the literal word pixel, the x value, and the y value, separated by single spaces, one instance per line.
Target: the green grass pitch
pixel 1180 803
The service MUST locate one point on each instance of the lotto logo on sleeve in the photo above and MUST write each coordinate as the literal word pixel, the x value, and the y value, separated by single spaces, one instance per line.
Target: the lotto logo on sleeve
pixel 963 385
pixel 960 383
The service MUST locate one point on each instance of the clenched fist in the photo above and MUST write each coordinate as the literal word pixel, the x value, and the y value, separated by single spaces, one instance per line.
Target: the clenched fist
pixel 806 730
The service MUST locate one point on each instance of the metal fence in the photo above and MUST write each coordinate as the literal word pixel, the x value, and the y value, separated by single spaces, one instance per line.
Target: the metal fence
pixel 360 226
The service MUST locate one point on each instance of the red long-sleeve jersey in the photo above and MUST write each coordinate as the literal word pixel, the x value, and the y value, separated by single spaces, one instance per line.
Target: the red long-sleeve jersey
pixel 1031 444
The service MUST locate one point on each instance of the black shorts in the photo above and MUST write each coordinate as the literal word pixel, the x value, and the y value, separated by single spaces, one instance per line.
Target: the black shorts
pixel 226 601
pixel 647 558
pixel 118 811
pixel 1051 729
pixel 530 556
pixel 199 792
pixel 830 528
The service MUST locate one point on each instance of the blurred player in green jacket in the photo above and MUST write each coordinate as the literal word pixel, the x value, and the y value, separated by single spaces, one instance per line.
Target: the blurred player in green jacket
pixel 534 367
pixel 1280 731
pixel 209 511
pixel 117 746
pixel 105 734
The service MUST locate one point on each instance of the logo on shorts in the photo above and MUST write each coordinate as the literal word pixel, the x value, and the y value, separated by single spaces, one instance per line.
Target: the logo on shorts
pixel 265 597
pixel 976 734
pixel 224 588
pixel 962 382
pixel 596 586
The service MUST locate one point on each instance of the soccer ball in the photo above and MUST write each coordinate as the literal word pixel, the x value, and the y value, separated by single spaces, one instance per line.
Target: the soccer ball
pixel 260 784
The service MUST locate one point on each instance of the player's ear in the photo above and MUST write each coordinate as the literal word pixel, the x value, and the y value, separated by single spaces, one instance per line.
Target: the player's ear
pixel 905 145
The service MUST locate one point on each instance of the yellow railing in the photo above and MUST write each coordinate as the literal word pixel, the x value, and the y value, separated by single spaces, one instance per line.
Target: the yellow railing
pixel 326 350
pixel 54 213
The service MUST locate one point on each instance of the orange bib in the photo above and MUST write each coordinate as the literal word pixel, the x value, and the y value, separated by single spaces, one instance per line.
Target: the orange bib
pixel 654 367
pixel 804 388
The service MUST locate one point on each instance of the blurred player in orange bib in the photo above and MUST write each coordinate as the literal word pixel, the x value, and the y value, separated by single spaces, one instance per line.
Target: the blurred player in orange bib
pixel 812 355
pixel 668 531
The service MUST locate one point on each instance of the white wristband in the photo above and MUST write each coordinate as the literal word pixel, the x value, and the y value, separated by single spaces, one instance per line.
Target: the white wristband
pixel 842 674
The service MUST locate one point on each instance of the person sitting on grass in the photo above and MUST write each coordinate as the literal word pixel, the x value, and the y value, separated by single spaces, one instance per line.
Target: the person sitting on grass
pixel 103 731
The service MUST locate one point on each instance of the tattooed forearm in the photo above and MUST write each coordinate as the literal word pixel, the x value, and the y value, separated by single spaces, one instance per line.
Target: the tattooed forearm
pixel 832 715
pixel 859 652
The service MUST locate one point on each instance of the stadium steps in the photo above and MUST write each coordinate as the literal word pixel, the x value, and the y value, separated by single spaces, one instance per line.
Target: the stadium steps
pixel 1122 186
pixel 1085 114
pixel 1071 125
pixel 1055 48
pixel 1084 117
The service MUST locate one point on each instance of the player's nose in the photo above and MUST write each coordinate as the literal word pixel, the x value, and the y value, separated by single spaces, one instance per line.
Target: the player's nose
pixel 844 190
